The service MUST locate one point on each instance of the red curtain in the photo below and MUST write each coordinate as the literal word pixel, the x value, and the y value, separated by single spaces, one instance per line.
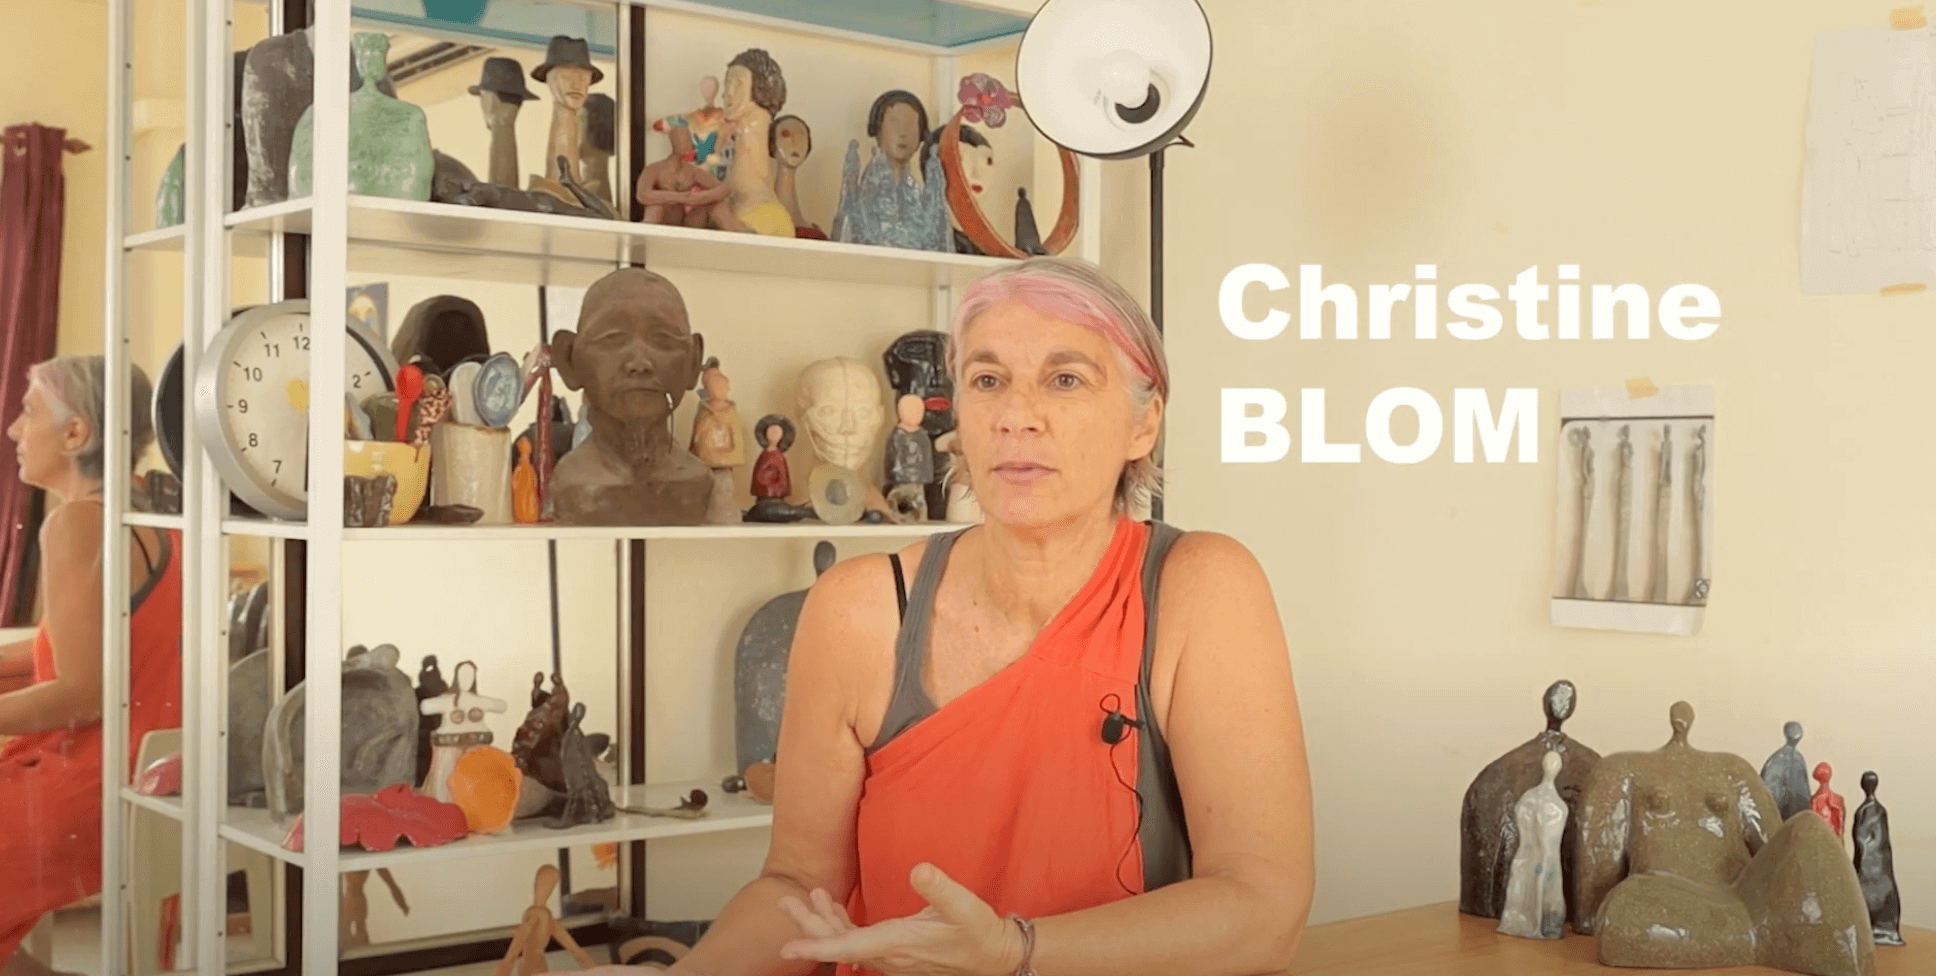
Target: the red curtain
pixel 32 196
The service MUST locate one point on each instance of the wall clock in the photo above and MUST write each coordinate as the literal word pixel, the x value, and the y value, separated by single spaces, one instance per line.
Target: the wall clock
pixel 252 402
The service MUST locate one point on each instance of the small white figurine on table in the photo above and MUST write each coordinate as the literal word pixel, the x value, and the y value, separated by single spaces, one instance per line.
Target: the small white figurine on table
pixel 463 710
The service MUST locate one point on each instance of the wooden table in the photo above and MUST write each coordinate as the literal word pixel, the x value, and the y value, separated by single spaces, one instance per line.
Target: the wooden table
pixel 1437 940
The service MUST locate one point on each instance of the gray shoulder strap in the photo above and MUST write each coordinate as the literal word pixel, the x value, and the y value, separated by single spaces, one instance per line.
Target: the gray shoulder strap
pixel 1164 835
pixel 910 703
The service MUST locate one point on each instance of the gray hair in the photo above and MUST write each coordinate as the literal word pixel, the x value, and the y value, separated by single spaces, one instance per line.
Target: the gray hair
pixel 1079 292
pixel 77 387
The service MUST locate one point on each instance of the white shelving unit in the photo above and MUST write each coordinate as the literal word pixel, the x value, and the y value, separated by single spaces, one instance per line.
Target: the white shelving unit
pixel 350 234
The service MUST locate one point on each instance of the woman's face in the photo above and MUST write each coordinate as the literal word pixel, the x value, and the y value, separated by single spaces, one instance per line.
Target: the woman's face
pixel 44 442
pixel 1044 416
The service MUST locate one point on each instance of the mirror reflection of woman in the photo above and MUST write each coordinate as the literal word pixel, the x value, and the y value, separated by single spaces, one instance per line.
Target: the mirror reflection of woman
pixel 50 686
pixel 954 797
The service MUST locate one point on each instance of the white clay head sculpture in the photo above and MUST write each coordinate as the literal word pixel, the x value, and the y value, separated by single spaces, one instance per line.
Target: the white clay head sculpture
pixel 841 404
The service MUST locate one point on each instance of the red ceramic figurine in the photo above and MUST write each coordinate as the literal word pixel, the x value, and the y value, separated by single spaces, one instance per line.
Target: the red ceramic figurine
pixel 1826 802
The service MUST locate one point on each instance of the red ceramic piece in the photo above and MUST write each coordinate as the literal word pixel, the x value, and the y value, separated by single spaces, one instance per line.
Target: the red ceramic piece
pixel 1826 802
pixel 410 383
pixel 162 777
pixel 395 813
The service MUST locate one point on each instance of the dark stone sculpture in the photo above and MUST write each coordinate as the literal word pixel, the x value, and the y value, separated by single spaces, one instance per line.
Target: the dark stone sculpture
pixel 587 798
pixel 1786 774
pixel 278 83
pixel 759 669
pixel 430 684
pixel 1488 835
pixel 164 492
pixel 1875 866
pixel 378 736
pixel 1678 869
pixel 539 742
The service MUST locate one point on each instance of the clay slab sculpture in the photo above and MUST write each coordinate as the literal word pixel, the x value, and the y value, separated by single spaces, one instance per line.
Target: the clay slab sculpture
pixel 389 139
pixel 539 740
pixel 1786 773
pixel 1683 871
pixel 379 733
pixel 635 356
pixel 587 797
pixel 1488 821
pixel 759 669
pixel 1535 894
pixel 1875 866
pixel 250 698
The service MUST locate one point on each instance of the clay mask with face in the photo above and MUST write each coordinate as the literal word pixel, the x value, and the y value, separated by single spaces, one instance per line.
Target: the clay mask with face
pixel 792 142
pixel 842 404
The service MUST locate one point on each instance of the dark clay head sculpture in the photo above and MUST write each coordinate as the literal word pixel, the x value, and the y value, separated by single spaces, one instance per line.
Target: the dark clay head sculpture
pixel 1680 868
pixel 1488 833
pixel 635 356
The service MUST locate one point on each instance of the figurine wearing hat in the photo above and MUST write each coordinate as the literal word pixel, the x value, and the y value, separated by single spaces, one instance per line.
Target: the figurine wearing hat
pixel 500 93
pixel 569 71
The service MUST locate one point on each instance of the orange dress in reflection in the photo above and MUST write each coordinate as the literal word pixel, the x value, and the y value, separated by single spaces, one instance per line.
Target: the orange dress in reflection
pixel 50 782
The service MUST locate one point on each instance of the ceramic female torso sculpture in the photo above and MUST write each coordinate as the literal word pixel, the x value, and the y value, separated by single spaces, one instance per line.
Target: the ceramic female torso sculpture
pixel 389 153
pixel 1875 866
pixel 900 199
pixel 1535 893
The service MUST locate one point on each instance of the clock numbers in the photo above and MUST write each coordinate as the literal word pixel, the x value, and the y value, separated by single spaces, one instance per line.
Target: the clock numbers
pixel 242 406
pixel 302 343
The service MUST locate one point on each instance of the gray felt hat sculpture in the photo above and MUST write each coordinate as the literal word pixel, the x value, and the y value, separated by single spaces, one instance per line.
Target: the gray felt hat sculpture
pixel 503 77
pixel 567 52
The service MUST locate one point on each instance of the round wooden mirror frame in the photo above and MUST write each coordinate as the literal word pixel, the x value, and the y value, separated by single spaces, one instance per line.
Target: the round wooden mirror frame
pixel 974 223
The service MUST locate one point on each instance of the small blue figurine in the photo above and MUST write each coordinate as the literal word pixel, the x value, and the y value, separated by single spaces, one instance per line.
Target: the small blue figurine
pixel 901 198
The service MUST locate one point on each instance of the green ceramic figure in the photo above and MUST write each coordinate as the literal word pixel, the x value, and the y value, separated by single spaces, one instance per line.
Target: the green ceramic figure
pixel 389 139
pixel 168 199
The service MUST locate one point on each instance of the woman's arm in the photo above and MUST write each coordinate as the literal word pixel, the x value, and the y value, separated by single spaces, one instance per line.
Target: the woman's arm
pixel 1237 744
pixel 70 543
pixel 16 665
pixel 819 769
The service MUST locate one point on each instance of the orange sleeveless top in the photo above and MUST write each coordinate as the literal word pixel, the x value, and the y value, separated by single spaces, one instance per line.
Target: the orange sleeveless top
pixel 1010 788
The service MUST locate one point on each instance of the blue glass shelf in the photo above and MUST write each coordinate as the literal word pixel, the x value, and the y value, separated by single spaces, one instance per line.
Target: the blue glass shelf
pixel 933 22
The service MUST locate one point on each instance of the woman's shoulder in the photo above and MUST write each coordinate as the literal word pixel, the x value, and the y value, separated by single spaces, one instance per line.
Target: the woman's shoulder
pixel 1203 564
pixel 75 524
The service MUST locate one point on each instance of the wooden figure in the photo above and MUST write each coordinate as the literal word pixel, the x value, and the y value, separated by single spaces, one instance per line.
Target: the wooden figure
pixel 569 72
pixel 538 929
pixel 463 710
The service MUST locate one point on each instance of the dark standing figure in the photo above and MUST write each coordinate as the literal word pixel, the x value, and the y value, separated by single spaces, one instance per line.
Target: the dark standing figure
pixel 1488 835
pixel 587 798
pixel 917 365
pixel 1875 866
pixel 1786 774
pixel 430 684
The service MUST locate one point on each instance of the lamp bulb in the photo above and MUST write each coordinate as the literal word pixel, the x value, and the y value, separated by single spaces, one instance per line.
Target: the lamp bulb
pixel 1125 77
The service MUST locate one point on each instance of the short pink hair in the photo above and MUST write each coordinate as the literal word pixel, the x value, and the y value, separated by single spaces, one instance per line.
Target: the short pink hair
pixel 1080 293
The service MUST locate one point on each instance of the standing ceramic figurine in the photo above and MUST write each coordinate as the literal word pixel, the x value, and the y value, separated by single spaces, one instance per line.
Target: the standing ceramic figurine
pixel 790 145
pixel 389 140
pixel 569 72
pixel 1875 866
pixel 463 710
pixel 1786 773
pixel 524 487
pixel 501 92
pixel 1535 896
pixel 901 198
pixel 910 464
pixel 772 481
pixel 1826 802
pixel 755 93
pixel 718 442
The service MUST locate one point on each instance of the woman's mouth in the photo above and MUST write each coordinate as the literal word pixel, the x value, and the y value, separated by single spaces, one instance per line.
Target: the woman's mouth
pixel 1022 472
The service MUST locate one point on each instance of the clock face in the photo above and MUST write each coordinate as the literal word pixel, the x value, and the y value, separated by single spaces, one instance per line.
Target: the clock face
pixel 254 392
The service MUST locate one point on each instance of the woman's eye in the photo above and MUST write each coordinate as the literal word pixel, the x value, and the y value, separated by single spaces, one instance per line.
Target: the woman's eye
pixel 1066 381
pixel 984 381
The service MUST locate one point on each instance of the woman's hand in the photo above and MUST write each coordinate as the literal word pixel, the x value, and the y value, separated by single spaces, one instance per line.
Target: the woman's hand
pixel 958 934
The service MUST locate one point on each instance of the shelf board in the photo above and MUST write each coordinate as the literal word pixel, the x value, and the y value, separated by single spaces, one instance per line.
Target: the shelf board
pixel 167 806
pixel 256 830
pixel 522 533
pixel 160 239
pixel 153 521
pixel 440 240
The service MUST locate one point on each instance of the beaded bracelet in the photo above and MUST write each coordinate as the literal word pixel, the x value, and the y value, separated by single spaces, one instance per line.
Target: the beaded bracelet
pixel 1028 944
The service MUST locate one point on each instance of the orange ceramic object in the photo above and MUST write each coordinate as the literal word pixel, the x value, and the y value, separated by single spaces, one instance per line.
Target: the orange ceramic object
pixel 524 486
pixel 485 786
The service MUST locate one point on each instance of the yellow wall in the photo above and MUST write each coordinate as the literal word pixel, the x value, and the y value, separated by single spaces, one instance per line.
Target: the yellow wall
pixel 1652 142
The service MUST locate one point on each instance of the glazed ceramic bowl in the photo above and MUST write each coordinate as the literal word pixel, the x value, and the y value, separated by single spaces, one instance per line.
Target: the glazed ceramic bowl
pixel 485 786
pixel 409 463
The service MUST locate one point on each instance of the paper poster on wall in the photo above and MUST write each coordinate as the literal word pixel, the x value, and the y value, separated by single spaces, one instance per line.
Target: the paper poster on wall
pixel 1635 519
pixel 1869 193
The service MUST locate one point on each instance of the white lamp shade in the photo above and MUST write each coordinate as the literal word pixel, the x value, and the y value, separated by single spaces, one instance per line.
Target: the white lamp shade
pixel 1114 79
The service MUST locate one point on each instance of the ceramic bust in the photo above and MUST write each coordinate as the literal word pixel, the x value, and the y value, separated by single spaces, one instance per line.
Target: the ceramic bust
pixel 1535 899
pixel 635 356
pixel 1786 774
pixel 840 402
pixel 910 463
pixel 501 92
pixel 755 93
pixel 569 73
pixel 772 481
pixel 1488 824
pixel 901 198
pixel 389 153
pixel 718 441
pixel 1875 866
pixel 1691 838
pixel 790 143
pixel 1827 803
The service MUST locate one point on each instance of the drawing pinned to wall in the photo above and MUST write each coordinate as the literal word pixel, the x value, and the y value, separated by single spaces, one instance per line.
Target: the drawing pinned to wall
pixel 370 307
pixel 1869 194
pixel 1635 517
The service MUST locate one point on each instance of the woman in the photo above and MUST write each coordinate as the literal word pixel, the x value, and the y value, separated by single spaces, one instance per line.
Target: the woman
pixel 50 687
pixel 951 795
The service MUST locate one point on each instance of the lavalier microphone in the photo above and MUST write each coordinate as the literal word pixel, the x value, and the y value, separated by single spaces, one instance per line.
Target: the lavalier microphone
pixel 1114 722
